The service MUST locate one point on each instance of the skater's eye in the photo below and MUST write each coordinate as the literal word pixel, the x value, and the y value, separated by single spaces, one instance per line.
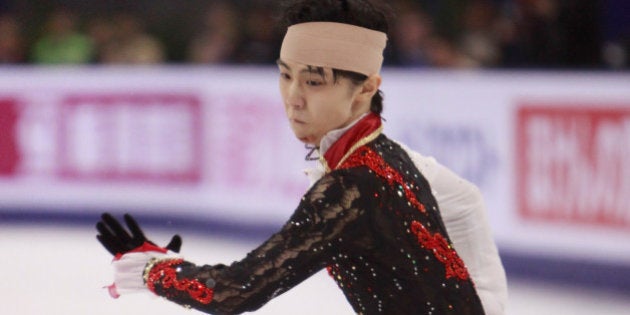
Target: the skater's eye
pixel 314 82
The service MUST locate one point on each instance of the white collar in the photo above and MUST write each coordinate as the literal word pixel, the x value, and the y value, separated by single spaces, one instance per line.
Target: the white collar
pixel 315 173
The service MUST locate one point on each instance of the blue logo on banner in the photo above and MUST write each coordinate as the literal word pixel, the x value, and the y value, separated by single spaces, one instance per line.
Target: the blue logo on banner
pixel 463 149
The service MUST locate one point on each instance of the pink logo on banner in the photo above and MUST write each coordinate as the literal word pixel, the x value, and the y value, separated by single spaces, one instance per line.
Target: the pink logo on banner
pixel 573 164
pixel 9 150
pixel 148 137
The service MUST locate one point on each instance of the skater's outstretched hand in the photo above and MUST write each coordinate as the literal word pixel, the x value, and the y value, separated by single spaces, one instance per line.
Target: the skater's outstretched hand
pixel 118 240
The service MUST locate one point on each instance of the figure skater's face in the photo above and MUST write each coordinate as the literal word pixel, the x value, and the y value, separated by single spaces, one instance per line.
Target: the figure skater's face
pixel 315 102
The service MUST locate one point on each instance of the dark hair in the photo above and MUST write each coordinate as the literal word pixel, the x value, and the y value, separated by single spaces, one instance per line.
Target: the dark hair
pixel 370 14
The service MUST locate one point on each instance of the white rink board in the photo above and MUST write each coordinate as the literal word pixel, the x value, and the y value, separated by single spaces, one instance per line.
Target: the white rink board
pixel 213 144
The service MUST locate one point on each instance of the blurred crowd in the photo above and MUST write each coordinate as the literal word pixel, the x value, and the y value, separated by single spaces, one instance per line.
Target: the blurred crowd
pixel 545 34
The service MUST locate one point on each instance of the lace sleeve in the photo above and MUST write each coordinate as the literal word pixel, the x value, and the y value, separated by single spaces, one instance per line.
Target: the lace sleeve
pixel 304 245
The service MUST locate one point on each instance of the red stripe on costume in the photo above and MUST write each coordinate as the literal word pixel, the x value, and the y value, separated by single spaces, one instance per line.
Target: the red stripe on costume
pixel 362 129
pixel 145 247
pixel 365 156
pixel 436 243
pixel 164 274
pixel 442 251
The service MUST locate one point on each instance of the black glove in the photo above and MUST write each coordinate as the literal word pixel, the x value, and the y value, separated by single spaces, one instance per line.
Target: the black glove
pixel 118 241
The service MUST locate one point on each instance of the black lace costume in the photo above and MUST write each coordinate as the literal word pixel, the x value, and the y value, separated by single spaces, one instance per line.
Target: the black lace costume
pixel 372 222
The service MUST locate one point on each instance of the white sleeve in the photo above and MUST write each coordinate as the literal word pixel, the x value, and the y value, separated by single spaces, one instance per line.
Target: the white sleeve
pixel 129 269
pixel 464 214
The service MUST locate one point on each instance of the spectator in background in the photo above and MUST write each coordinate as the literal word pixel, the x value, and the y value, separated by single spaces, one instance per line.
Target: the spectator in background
pixel 261 42
pixel 478 39
pixel 491 33
pixel 131 44
pixel 536 40
pixel 102 32
pixel 218 36
pixel 446 15
pixel 410 36
pixel 616 30
pixel 443 53
pixel 62 42
pixel 579 23
pixel 416 44
pixel 12 46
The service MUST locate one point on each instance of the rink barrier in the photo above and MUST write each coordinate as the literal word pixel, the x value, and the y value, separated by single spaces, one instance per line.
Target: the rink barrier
pixel 543 148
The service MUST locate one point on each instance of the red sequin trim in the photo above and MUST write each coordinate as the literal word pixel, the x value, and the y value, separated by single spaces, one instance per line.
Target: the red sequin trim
pixel 330 271
pixel 436 243
pixel 442 251
pixel 366 156
pixel 165 275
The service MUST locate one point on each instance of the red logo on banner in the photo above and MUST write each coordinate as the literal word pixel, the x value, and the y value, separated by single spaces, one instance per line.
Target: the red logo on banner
pixel 573 164
pixel 155 137
pixel 9 151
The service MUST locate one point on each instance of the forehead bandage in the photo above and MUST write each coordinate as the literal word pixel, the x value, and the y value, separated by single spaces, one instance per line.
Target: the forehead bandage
pixel 335 45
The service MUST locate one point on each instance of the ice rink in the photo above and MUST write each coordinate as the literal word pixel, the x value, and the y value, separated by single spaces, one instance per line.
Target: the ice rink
pixel 62 271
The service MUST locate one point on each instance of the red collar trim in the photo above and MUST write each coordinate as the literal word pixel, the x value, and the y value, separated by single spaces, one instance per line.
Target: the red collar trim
pixel 366 127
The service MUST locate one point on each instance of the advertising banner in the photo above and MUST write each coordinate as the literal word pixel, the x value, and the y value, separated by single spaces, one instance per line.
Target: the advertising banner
pixel 549 151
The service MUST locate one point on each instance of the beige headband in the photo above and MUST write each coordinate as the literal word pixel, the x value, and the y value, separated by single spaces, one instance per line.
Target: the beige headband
pixel 335 45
